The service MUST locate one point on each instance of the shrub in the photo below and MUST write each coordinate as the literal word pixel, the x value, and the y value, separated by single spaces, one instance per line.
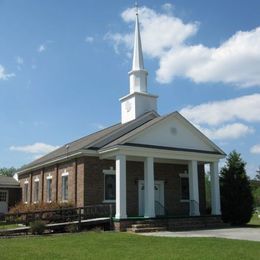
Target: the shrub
pixel 71 228
pixel 37 227
pixel 37 212
pixel 22 207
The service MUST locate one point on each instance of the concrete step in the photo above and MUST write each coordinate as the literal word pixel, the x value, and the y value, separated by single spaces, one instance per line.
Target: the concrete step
pixel 147 229
pixel 143 225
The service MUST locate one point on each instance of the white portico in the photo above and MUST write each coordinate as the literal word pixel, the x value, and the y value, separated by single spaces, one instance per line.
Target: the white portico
pixel 155 142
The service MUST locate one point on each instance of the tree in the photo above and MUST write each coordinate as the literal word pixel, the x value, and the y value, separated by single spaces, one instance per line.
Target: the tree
pixel 7 171
pixel 236 194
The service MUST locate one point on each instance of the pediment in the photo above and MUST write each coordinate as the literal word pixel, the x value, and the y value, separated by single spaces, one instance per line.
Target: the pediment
pixel 174 131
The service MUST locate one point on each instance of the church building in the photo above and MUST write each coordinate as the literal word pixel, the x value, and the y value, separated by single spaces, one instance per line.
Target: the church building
pixel 146 165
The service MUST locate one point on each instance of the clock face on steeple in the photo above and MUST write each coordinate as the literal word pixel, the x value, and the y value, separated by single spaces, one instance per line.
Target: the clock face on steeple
pixel 128 106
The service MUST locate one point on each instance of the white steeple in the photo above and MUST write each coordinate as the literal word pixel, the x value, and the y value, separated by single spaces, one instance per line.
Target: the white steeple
pixel 138 75
pixel 138 101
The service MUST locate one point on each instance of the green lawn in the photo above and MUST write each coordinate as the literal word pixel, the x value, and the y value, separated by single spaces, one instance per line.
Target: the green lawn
pixel 110 245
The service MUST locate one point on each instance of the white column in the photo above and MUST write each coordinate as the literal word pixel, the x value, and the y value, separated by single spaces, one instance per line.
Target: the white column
pixel 149 210
pixel 120 187
pixel 215 194
pixel 194 188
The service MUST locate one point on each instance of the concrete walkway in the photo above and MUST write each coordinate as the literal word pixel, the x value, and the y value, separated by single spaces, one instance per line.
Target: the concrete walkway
pixel 252 234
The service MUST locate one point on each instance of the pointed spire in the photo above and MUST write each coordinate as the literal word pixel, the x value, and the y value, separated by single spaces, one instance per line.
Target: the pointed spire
pixel 138 62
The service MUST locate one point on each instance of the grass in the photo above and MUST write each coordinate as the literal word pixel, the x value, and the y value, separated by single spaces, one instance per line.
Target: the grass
pixel 110 245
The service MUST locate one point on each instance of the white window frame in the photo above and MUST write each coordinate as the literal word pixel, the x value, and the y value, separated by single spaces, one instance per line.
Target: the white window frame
pixel 49 178
pixel 36 180
pixel 183 175
pixel 65 174
pixel 111 171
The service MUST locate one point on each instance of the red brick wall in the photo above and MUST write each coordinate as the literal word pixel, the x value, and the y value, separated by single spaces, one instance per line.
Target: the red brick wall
pixel 94 179
pixel 86 183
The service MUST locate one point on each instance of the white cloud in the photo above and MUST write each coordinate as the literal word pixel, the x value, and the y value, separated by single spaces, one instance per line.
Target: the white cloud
pixel 165 37
pixel 167 7
pixel 41 48
pixel 236 61
pixel 160 31
pixel 229 131
pixel 4 75
pixel 255 149
pixel 36 148
pixel 245 108
pixel 89 39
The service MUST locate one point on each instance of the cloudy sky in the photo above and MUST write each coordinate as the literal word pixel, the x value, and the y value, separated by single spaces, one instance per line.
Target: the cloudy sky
pixel 64 65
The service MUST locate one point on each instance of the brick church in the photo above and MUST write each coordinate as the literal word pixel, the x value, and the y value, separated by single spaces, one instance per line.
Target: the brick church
pixel 144 165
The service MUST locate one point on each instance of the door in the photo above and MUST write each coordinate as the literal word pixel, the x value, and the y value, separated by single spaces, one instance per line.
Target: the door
pixel 3 201
pixel 158 197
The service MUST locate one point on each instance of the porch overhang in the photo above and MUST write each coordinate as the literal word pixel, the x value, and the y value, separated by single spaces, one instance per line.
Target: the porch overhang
pixel 143 151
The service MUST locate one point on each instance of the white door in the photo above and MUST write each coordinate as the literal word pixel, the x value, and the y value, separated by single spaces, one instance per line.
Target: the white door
pixel 158 197
pixel 3 201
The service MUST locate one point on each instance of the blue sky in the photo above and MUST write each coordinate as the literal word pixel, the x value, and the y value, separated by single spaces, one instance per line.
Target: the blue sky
pixel 64 65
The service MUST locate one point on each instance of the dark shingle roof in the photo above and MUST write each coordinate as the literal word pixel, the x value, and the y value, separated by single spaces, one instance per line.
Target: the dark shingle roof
pixel 7 182
pixel 94 141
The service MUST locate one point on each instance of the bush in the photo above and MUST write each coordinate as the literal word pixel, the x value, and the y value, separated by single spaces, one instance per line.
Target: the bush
pixel 22 207
pixel 73 228
pixel 236 195
pixel 37 212
pixel 37 227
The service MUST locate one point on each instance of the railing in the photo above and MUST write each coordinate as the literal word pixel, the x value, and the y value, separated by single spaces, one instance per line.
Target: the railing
pixel 160 210
pixel 58 215
pixel 194 207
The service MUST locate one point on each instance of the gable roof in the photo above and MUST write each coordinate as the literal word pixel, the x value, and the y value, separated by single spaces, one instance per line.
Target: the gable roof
pixel 119 134
pixel 125 139
pixel 93 141
pixel 8 182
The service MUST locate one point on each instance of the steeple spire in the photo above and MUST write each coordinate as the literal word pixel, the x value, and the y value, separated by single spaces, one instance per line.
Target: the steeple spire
pixel 138 62
pixel 138 75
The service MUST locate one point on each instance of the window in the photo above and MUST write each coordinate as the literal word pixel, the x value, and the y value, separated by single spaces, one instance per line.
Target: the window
pixel 36 190
pixel 26 192
pixel 65 188
pixel 109 185
pixel 3 196
pixel 185 191
pixel 49 189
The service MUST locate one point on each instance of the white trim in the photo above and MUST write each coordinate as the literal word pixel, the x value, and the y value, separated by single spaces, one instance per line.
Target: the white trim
pixel 36 179
pixel 65 173
pixel 49 177
pixel 183 175
pixel 158 153
pixel 26 181
pixel 109 201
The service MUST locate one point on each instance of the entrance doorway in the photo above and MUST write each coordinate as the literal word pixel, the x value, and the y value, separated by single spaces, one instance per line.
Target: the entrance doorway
pixel 158 197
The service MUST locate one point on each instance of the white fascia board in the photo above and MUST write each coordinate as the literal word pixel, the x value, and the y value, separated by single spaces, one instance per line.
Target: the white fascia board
pixel 60 159
pixel 159 153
